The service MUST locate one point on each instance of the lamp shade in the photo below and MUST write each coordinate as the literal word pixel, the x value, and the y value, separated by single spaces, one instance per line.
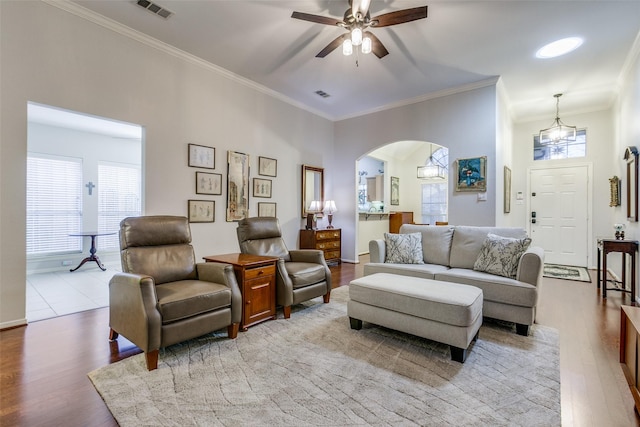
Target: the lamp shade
pixel 329 207
pixel 356 36
pixel 431 171
pixel 366 45
pixel 347 47
pixel 315 206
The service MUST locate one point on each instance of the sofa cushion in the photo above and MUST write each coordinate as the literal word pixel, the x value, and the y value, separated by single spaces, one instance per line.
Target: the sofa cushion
pixel 468 240
pixel 500 255
pixel 403 248
pixel 494 288
pixel 425 271
pixel 436 242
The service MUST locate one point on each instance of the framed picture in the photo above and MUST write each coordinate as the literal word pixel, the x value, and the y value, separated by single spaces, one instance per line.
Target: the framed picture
pixel 266 209
pixel 507 190
pixel 237 186
pixel 267 166
pixel 472 174
pixel 202 211
pixel 395 190
pixel 201 156
pixel 208 183
pixel 261 187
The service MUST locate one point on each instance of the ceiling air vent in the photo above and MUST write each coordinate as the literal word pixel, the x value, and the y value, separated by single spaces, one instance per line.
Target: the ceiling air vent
pixel 322 93
pixel 155 8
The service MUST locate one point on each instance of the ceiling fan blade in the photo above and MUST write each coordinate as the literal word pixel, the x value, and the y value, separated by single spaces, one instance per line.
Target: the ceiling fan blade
pixel 332 46
pixel 315 18
pixel 377 47
pixel 400 16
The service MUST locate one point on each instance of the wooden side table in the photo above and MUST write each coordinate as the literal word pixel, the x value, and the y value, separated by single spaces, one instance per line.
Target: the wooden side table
pixel 256 276
pixel 626 247
pixel 92 252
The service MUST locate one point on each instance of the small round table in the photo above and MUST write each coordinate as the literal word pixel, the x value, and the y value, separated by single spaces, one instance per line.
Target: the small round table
pixel 93 250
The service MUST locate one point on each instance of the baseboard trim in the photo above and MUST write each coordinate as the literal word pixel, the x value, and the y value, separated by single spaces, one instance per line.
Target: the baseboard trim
pixel 13 324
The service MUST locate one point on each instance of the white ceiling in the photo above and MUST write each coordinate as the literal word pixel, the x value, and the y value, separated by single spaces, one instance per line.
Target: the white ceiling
pixel 461 44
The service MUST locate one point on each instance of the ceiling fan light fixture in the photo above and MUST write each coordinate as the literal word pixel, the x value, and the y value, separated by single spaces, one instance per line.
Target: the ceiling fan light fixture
pixel 558 132
pixel 356 37
pixel 347 47
pixel 366 45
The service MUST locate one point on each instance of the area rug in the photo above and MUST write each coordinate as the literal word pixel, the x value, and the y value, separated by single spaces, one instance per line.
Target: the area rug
pixel 566 272
pixel 313 370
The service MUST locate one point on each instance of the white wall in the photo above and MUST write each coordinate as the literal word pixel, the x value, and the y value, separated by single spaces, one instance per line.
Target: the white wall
pixel 52 57
pixel 463 122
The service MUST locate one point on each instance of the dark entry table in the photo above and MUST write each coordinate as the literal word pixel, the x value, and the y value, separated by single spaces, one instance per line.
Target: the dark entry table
pixel 626 247
pixel 93 250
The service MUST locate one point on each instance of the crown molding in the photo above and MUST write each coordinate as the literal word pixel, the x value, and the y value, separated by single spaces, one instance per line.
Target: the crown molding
pixel 630 61
pixel 426 97
pixel 145 39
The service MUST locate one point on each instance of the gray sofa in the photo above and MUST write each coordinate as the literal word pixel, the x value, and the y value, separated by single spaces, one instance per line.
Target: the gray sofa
pixel 449 254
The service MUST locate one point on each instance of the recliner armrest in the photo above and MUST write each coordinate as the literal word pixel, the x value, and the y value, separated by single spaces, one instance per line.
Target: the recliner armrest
pixel 315 256
pixel 217 272
pixel 377 250
pixel 531 265
pixel 133 309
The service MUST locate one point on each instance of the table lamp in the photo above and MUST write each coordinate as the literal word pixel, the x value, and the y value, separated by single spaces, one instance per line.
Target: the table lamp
pixel 314 208
pixel 329 209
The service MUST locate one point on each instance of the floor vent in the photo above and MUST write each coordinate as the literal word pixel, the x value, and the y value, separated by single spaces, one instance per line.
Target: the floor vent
pixel 155 8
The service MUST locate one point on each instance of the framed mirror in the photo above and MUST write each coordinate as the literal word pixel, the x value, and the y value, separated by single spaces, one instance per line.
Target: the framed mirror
pixel 631 156
pixel 312 187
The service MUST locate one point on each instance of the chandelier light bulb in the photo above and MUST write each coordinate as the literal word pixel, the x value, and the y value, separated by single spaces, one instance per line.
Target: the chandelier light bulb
pixel 366 45
pixel 356 37
pixel 347 47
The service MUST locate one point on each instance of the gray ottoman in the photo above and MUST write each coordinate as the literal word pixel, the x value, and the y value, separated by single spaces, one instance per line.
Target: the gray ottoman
pixel 440 311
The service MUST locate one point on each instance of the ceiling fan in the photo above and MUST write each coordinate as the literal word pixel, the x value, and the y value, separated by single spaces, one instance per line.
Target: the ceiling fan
pixel 357 21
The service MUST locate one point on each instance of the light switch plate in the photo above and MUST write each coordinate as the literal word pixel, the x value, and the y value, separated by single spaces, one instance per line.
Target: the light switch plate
pixel 482 197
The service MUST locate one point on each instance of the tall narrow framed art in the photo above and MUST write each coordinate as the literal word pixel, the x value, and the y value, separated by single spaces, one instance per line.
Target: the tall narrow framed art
pixel 237 186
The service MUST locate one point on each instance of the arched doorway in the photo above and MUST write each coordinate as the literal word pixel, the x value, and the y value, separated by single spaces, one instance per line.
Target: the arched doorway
pixel 387 181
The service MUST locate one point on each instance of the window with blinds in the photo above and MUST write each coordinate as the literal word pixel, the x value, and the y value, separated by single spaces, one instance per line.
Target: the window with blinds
pixel 434 202
pixel 119 190
pixel 54 204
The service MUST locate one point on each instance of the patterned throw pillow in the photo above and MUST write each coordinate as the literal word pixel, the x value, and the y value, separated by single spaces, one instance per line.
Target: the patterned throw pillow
pixel 500 255
pixel 403 248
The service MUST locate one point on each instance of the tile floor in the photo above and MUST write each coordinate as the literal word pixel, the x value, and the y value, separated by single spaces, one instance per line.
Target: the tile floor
pixel 64 292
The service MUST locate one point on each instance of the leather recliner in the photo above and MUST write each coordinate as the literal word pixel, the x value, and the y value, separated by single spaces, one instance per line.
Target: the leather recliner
pixel 301 275
pixel 163 296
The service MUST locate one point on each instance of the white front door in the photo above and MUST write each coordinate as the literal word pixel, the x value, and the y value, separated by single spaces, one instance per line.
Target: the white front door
pixel 558 213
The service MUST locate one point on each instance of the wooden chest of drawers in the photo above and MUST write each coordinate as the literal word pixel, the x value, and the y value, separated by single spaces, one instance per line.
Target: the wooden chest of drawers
pixel 326 240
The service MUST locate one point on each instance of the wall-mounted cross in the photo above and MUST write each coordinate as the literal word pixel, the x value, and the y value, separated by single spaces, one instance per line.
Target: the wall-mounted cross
pixel 90 185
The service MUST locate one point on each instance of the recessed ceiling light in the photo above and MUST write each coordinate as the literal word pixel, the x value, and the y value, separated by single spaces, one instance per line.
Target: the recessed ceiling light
pixel 559 47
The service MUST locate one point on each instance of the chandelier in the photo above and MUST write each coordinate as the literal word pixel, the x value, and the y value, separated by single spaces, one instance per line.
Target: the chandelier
pixel 432 169
pixel 558 132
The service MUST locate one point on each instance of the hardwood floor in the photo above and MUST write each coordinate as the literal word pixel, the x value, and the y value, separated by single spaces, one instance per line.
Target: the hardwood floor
pixel 44 366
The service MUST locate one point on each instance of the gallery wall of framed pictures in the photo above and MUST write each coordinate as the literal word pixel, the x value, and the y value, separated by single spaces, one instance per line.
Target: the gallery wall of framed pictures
pixel 208 183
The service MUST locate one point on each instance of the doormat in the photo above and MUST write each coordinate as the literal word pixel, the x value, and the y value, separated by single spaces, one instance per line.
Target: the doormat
pixel 566 272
